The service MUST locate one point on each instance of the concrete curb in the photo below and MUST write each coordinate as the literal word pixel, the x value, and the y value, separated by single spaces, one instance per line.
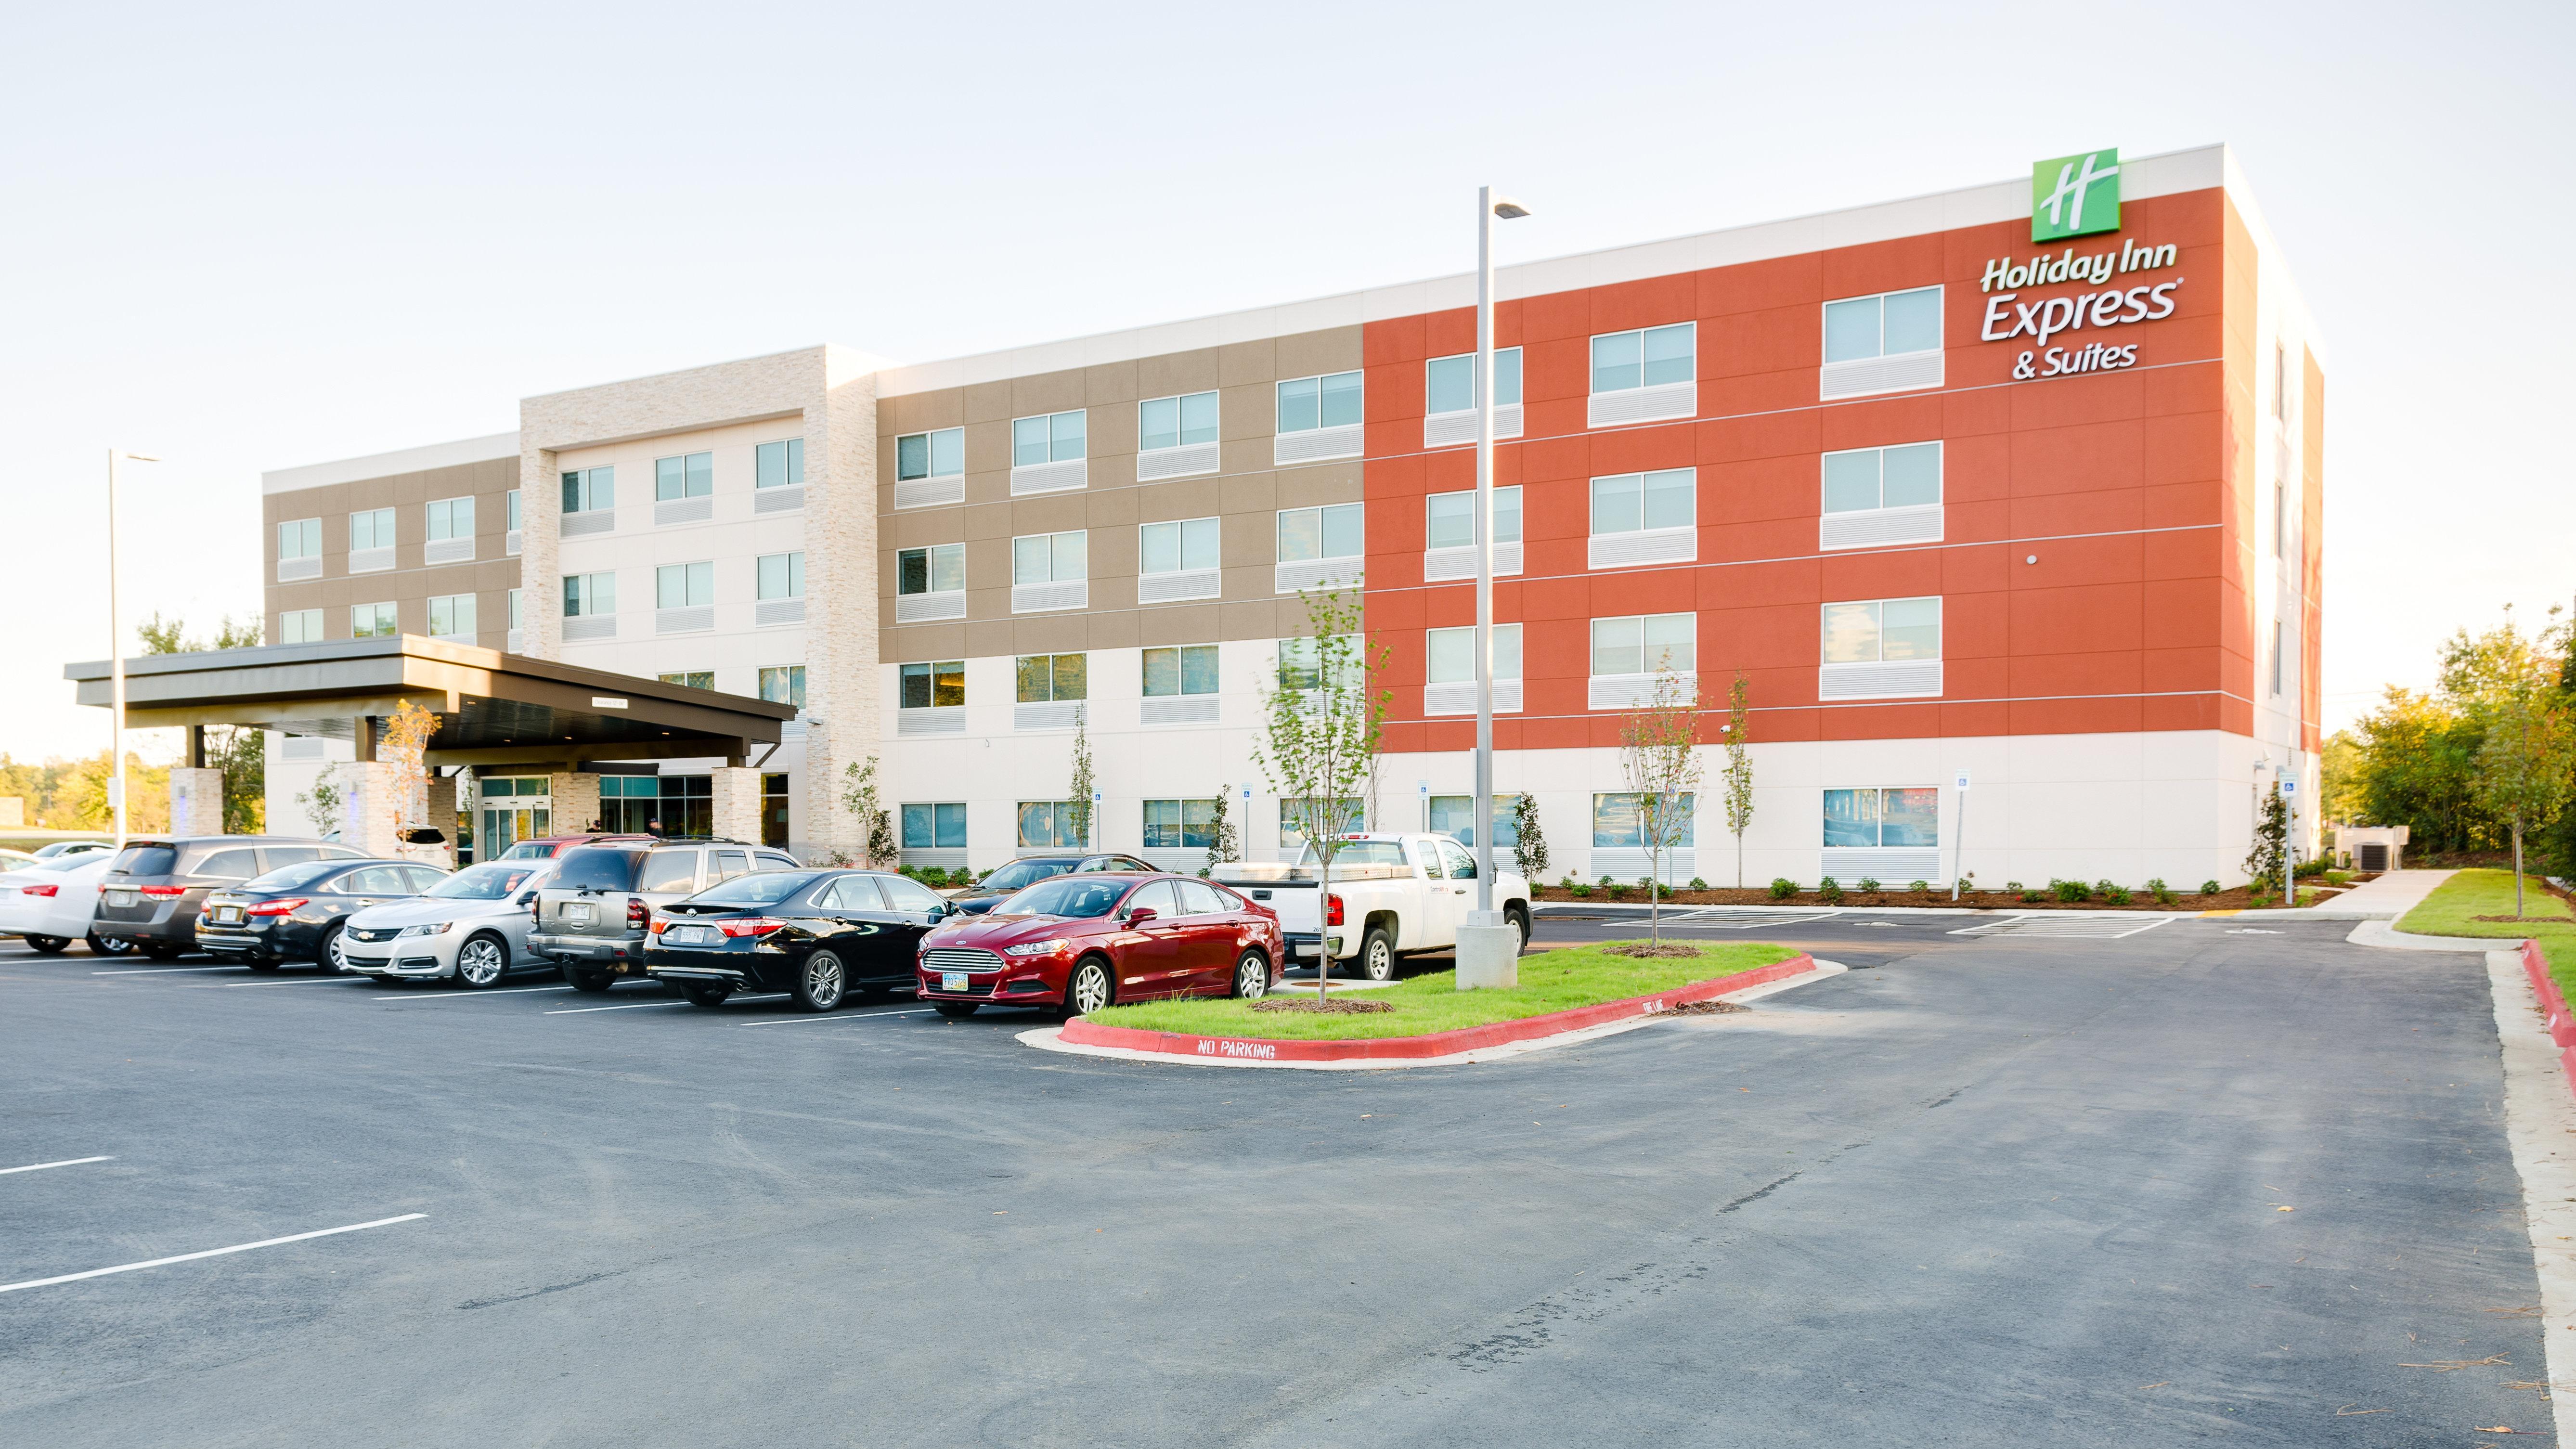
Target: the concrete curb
pixel 2389 938
pixel 1450 1048
pixel 2540 1122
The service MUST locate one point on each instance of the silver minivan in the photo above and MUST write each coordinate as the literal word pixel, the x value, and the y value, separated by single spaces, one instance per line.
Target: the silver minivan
pixel 593 913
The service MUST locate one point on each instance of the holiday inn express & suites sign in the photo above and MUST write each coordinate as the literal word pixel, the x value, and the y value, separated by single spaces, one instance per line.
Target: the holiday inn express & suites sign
pixel 2074 196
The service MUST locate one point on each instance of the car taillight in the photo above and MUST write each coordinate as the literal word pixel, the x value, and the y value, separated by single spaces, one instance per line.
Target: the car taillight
pixel 750 926
pixel 38 890
pixel 163 890
pixel 637 913
pixel 1332 910
pixel 285 907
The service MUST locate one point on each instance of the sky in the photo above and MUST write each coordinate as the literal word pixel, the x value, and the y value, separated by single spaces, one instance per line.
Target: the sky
pixel 246 238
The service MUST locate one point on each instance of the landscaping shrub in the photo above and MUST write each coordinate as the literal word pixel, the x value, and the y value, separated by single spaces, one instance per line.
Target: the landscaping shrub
pixel 2117 895
pixel 2012 887
pixel 2033 897
pixel 1697 884
pixel 2163 893
pixel 1605 882
pixel 1580 892
pixel 1830 891
pixel 2209 887
pixel 1647 884
pixel 2307 868
pixel 1613 889
pixel 1868 883
pixel 1782 888
pixel 2103 887
pixel 1921 887
pixel 2071 891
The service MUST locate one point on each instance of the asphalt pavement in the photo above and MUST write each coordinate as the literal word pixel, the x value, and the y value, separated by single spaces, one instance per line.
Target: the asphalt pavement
pixel 2188 1182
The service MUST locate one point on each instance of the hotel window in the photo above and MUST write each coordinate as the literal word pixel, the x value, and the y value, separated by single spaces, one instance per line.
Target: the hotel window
pixel 1618 822
pixel 930 584
pixel 1648 375
pixel 684 585
pixel 1181 670
pixel 782 575
pixel 1881 649
pixel 783 684
pixel 1301 667
pixel 451 518
pixel 1644 518
pixel 371 529
pixel 1318 417
pixel 2280 652
pixel 1450 675
pixel 1640 645
pixel 373 621
pixel 2280 518
pixel 1180 824
pixel 510 536
pixel 1048 825
pixel 1178 560
pixel 1879 496
pixel 299 626
pixel 930 468
pixel 1050 571
pixel 1455 817
pixel 1051 438
pixel 1176 436
pixel 689 476
pixel 589 595
pixel 2280 382
pixel 1882 343
pixel 778 465
pixel 939 826
pixel 1320 548
pixel 1449 383
pixel 1353 817
pixel 932 686
pixel 451 616
pixel 690 678
pixel 514 611
pixel 590 490
pixel 1883 819
pixel 1053 678
pixel 299 550
pixel 773 810
pixel 1449 534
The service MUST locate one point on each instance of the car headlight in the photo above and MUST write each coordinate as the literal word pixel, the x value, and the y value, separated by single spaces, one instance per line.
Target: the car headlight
pixel 1037 948
pixel 439 929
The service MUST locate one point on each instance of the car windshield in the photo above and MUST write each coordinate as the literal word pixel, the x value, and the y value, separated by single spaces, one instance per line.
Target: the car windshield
pixel 593 868
pixel 145 860
pixel 294 877
pixel 490 881
pixel 1066 895
pixel 1363 852
pixel 1023 873
pixel 528 850
pixel 767 888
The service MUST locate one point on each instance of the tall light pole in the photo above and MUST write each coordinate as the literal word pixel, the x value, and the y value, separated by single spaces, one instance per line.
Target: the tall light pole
pixel 116 655
pixel 1488 207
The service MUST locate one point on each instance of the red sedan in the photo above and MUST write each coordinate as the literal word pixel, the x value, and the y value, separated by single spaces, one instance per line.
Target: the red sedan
pixel 1080 942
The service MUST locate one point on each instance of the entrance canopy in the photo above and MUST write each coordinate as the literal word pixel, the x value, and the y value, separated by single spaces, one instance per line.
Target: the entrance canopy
pixel 492 708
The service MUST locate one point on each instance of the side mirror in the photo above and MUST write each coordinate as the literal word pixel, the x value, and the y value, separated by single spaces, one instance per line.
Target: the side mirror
pixel 1140 915
pixel 527 898
pixel 941 912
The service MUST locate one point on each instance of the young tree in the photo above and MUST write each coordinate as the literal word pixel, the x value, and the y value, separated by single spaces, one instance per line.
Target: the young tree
pixel 1529 845
pixel 321 804
pixel 1222 846
pixel 1659 757
pixel 876 823
pixel 1739 768
pixel 1321 721
pixel 401 743
pixel 2529 750
pixel 1077 810
pixel 2271 852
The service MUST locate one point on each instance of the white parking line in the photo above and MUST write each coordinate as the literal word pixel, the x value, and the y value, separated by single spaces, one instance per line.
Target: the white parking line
pixel 41 1166
pixel 465 995
pixel 838 1016
pixel 164 970
pixel 208 1253
pixel 631 1006
pixel 298 981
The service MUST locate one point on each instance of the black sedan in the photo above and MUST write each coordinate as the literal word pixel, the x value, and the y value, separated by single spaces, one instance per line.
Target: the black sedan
pixel 1028 870
pixel 816 934
pixel 296 912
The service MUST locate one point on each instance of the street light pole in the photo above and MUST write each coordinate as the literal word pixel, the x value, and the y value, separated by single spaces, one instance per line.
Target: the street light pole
pixel 116 656
pixel 1488 207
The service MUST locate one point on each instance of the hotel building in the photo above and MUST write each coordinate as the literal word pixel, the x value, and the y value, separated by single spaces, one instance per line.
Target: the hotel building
pixel 1959 507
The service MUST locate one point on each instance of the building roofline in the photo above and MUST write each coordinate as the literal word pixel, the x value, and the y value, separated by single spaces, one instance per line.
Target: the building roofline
pixel 385 465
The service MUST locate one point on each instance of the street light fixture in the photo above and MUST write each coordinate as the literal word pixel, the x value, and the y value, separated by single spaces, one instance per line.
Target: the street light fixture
pixel 116 654
pixel 1489 205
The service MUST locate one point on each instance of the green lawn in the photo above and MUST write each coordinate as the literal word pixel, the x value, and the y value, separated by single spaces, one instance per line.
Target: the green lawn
pixel 2453 907
pixel 1550 981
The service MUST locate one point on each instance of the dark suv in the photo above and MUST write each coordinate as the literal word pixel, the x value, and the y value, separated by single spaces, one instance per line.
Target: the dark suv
pixel 1028 870
pixel 152 891
pixel 595 909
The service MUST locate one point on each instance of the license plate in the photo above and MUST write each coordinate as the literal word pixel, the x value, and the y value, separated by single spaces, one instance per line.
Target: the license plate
pixel 952 980
pixel 577 912
pixel 687 935
pixel 120 898
pixel 228 915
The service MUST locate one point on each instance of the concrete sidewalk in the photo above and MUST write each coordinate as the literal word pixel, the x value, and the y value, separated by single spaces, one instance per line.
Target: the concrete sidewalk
pixel 2392 895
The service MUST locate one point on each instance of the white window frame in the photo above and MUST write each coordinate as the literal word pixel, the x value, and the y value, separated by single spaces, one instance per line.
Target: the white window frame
pixel 597 618
pixel 931 604
pixel 1631 862
pixel 378 614
pixel 1059 590
pixel 1317 441
pixel 935 486
pixel 1185 458
pixel 696 610
pixel 1052 712
pixel 1184 706
pixel 933 718
pixel 1458 561
pixel 1324 571
pixel 596 490
pixel 791 678
pixel 1457 695
pixel 299 549
pixel 1889 863
pixel 1881 525
pixel 371 548
pixel 512 536
pixel 1199 578
pixel 1645 402
pixel 781 599
pixel 1619 548
pixel 1457 426
pixel 1633 689
pixel 1879 677
pixel 517 636
pixel 443 541
pixel 1060 472
pixel 454 605
pixel 299 626
pixel 1883 371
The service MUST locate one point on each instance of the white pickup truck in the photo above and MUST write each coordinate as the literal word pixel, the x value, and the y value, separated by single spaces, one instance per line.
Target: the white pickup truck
pixel 1392 894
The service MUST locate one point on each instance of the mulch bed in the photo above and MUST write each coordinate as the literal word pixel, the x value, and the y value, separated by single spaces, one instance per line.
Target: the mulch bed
pixel 1321 1008
pixel 1710 1007
pixel 1649 950
pixel 2239 899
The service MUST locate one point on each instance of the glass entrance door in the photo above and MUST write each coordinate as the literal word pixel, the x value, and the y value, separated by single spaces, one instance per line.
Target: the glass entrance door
pixel 511 811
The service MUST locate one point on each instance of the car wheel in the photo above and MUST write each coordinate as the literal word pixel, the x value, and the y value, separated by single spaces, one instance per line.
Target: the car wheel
pixel 1377 957
pixel 1519 918
pixel 709 996
pixel 480 962
pixel 333 958
pixel 1252 976
pixel 262 963
pixel 106 946
pixel 955 1008
pixel 581 979
pixel 47 945
pixel 822 982
pixel 1090 989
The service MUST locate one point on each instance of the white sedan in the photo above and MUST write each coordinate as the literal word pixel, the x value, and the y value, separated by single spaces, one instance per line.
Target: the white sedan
pixel 50 904
pixel 471 927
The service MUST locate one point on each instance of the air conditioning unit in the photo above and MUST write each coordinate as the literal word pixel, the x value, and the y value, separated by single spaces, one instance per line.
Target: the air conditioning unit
pixel 2372 847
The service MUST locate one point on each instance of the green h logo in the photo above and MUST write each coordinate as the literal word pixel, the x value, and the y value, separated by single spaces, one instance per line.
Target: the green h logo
pixel 2075 195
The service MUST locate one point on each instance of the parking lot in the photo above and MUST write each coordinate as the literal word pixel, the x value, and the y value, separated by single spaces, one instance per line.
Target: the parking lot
pixel 2029 1188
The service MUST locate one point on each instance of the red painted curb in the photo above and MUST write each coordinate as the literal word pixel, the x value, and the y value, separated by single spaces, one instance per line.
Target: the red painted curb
pixel 2553 1002
pixel 1082 1031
